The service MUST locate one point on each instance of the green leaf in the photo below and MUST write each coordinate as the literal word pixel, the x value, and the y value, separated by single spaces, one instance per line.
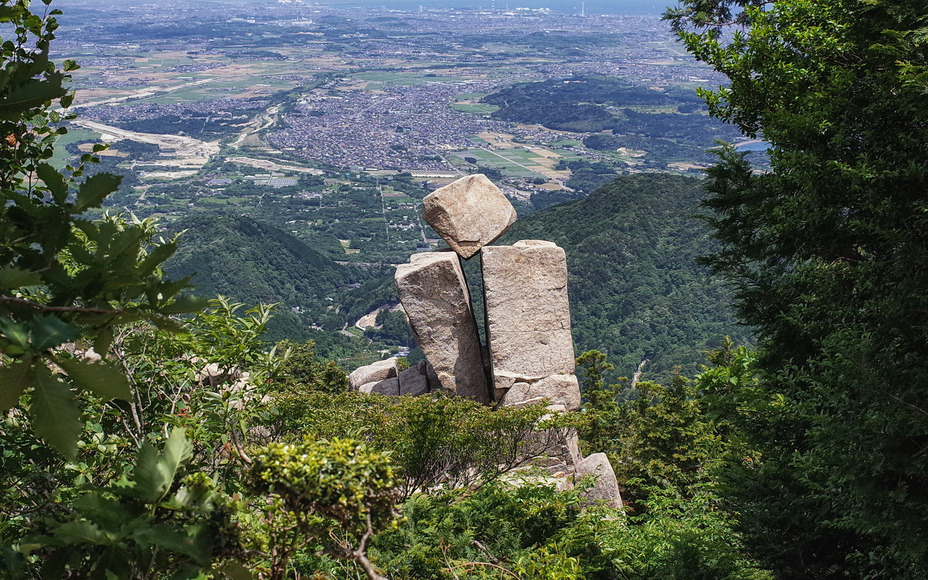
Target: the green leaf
pixel 185 304
pixel 167 290
pixel 100 378
pixel 14 379
pixel 17 336
pixel 235 571
pixel 49 331
pixel 103 340
pixel 32 93
pixel 168 324
pixel 57 414
pixel 157 257
pixel 154 472
pixel 14 277
pixel 54 180
pixel 82 532
pixel 94 190
pixel 193 541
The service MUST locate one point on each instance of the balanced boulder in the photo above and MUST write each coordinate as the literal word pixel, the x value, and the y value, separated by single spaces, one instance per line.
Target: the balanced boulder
pixel 468 213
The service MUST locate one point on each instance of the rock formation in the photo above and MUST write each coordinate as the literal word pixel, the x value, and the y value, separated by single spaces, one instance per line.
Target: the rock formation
pixel 468 214
pixel 530 354
pixel 528 323
pixel 434 294
pixel 378 371
pixel 605 486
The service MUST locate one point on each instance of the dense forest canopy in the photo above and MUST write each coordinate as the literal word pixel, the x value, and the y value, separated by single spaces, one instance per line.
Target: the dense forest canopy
pixel 829 257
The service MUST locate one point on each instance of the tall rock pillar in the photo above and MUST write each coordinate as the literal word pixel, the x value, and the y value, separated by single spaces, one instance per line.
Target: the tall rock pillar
pixel 435 297
pixel 528 323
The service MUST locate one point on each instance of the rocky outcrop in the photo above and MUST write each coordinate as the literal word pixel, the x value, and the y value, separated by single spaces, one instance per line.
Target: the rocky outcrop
pixel 414 381
pixel 383 378
pixel 434 293
pixel 529 356
pixel 389 387
pixel 561 390
pixel 468 214
pixel 605 486
pixel 372 373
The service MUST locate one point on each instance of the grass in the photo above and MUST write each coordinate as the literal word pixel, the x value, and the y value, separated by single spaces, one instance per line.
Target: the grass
pixel 477 109
pixel 61 156
pixel 512 162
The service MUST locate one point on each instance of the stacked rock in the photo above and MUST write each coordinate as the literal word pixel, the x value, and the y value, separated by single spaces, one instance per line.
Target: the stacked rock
pixel 530 353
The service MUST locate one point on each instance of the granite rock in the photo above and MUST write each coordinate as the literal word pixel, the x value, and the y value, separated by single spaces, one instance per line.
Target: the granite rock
pixel 605 487
pixel 378 371
pixel 527 312
pixel 389 387
pixel 468 213
pixel 434 294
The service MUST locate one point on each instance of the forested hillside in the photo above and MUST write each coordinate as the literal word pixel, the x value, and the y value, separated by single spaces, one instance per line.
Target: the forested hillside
pixel 636 291
pixel 253 262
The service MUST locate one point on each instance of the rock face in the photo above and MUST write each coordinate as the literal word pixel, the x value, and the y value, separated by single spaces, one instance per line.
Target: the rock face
pixel 434 294
pixel 469 213
pixel 561 390
pixel 389 387
pixel 528 322
pixel 381 377
pixel 414 381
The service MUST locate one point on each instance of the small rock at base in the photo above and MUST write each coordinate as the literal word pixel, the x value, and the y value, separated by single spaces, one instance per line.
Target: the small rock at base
pixel 606 487
pixel 378 371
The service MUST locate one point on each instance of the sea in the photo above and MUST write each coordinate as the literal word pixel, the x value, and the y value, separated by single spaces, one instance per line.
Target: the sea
pixel 588 7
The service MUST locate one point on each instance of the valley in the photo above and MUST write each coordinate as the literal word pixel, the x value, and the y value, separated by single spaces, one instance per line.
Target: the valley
pixel 330 124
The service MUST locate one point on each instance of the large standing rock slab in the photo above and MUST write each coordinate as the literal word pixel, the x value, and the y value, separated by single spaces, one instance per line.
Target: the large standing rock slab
pixel 528 314
pixel 469 213
pixel 434 294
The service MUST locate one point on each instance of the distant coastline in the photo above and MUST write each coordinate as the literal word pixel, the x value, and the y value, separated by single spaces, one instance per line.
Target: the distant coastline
pixel 589 7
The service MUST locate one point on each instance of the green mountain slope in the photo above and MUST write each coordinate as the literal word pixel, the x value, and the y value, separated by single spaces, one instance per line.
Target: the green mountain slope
pixel 635 289
pixel 253 262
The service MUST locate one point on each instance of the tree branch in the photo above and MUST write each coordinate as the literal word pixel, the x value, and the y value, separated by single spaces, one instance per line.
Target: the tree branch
pixel 46 308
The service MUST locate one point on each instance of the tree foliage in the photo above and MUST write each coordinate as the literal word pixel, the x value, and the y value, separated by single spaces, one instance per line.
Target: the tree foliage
pixel 63 275
pixel 827 253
